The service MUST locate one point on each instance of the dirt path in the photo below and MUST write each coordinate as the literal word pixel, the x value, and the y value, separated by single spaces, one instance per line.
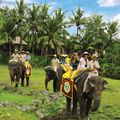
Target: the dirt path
pixel 63 116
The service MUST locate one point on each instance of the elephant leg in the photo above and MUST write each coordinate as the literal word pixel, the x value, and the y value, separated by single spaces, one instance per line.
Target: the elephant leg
pixel 68 107
pixel 12 79
pixel 27 81
pixel 82 103
pixel 22 79
pixel 17 80
pixel 75 100
pixel 54 85
pixel 12 76
pixel 88 105
pixel 74 110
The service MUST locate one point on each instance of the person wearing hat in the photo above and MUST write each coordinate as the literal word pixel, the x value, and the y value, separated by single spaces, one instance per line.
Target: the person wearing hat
pixel 27 57
pixel 84 62
pixel 23 56
pixel 55 62
pixel 94 66
pixel 75 60
pixel 15 56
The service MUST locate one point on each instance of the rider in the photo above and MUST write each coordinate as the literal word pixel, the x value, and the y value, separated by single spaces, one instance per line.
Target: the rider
pixel 75 60
pixel 28 68
pixel 94 65
pixel 23 56
pixel 84 62
pixel 15 56
pixel 55 62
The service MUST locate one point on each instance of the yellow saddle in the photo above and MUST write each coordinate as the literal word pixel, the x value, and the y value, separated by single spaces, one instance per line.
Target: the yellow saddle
pixel 27 64
pixel 70 74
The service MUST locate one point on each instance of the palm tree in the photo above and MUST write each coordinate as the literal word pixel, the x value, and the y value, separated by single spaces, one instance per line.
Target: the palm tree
pixel 20 12
pixel 95 32
pixel 112 31
pixel 8 25
pixel 32 25
pixel 78 20
pixel 53 30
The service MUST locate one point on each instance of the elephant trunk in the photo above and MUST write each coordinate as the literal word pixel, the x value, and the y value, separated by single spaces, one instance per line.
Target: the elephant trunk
pixel 95 105
pixel 46 83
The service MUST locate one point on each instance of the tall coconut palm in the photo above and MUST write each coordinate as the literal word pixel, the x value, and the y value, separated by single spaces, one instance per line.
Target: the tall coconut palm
pixel 53 28
pixel 20 10
pixel 78 19
pixel 112 31
pixel 95 32
pixel 32 25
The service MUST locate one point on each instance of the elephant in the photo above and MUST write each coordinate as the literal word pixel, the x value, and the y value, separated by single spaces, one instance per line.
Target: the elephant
pixel 15 71
pixel 56 77
pixel 25 74
pixel 88 93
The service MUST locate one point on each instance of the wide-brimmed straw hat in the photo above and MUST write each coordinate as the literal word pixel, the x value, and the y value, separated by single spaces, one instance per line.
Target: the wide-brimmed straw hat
pixel 16 50
pixel 27 52
pixel 55 55
pixel 85 53
pixel 94 56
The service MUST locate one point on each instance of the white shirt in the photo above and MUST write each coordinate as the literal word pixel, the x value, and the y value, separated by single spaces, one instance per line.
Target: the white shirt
pixel 83 64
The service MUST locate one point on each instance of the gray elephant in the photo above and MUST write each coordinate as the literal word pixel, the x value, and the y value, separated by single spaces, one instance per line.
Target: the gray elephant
pixel 88 94
pixel 56 77
pixel 15 71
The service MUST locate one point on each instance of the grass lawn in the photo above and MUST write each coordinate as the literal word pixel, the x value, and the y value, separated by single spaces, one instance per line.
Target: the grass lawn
pixel 36 79
pixel 109 108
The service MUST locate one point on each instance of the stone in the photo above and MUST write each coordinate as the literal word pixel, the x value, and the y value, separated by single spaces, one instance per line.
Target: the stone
pixel 39 114
pixel 27 108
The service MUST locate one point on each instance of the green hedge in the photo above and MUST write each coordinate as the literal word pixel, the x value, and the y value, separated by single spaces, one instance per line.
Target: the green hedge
pixel 36 61
pixel 40 61
pixel 4 57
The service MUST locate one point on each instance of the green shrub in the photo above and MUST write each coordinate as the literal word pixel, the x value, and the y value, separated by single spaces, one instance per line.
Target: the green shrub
pixel 40 61
pixel 4 57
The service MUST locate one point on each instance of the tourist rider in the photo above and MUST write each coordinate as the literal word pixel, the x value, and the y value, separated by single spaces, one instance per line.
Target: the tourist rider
pixel 75 60
pixel 94 66
pixel 15 56
pixel 55 63
pixel 84 62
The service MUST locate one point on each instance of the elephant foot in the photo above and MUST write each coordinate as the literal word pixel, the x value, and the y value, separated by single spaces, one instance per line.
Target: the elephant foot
pixel 16 85
pixel 68 112
pixel 74 112
pixel 86 118
pixel 27 85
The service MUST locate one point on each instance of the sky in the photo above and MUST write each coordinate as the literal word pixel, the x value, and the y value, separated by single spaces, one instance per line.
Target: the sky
pixel 110 9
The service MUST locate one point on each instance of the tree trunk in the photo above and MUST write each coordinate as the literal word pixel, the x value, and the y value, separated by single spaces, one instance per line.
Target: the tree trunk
pixel 33 45
pixel 10 48
pixel 77 31
pixel 110 40
pixel 47 48
pixel 20 48
pixel 9 42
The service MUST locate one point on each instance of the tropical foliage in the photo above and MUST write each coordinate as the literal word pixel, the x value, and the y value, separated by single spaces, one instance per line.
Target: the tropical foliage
pixel 46 32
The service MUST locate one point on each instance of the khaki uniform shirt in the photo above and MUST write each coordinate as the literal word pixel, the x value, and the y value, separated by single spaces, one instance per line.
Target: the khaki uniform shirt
pixel 15 57
pixel 94 65
pixel 55 62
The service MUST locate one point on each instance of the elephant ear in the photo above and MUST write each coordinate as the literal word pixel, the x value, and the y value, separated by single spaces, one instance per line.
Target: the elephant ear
pixel 88 85
pixel 105 83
